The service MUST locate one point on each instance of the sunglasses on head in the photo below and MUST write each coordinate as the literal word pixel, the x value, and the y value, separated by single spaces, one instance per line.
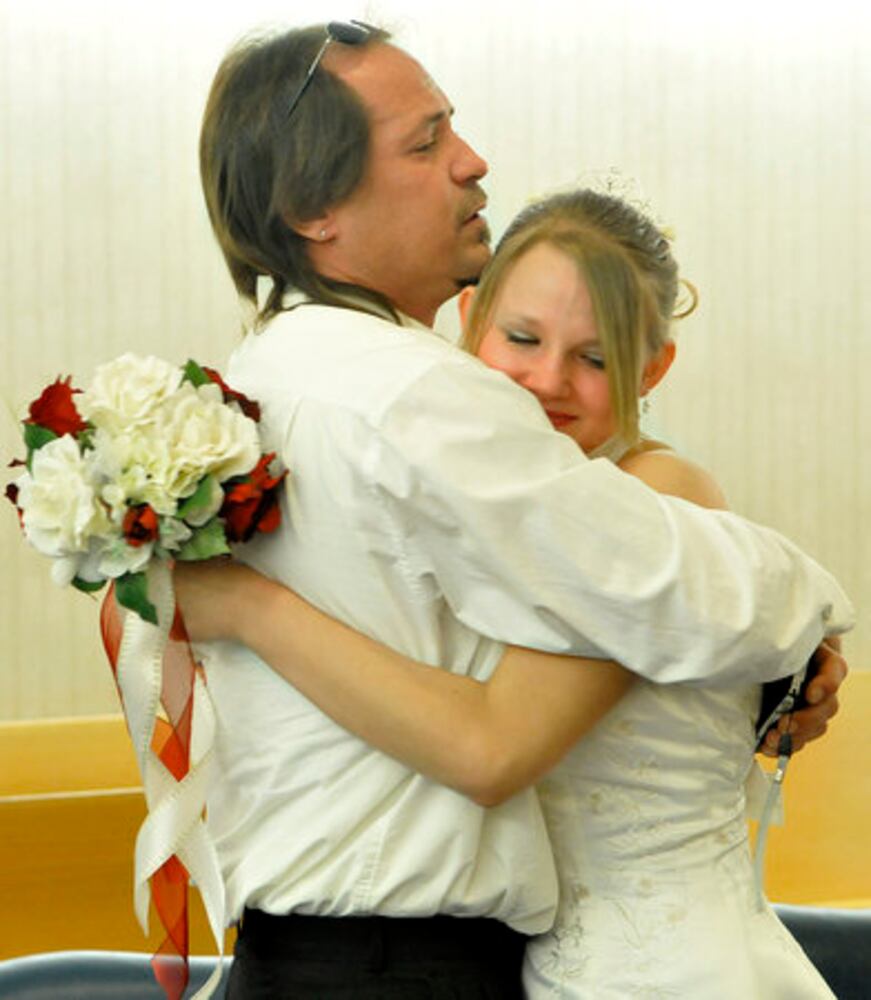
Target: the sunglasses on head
pixel 346 32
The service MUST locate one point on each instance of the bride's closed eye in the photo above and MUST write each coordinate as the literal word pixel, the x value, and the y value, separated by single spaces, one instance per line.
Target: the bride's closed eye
pixel 592 358
pixel 520 337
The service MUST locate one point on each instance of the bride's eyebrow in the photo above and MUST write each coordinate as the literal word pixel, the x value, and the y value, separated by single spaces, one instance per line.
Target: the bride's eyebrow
pixel 519 319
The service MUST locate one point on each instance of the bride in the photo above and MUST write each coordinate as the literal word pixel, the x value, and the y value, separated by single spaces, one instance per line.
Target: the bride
pixel 645 806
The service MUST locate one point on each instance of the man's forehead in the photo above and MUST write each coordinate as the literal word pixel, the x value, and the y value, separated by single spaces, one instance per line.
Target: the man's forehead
pixel 392 85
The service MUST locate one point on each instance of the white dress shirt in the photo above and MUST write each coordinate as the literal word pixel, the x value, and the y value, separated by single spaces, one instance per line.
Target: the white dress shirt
pixel 431 505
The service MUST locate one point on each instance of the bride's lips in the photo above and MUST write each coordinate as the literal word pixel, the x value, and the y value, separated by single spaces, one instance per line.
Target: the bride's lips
pixel 560 419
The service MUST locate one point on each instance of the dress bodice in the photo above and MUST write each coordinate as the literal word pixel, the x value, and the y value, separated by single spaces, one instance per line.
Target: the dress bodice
pixel 647 819
pixel 659 781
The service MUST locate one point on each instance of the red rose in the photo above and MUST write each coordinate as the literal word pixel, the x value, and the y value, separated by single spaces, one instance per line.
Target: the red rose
pixel 12 497
pixel 251 504
pixel 140 525
pixel 55 409
pixel 246 405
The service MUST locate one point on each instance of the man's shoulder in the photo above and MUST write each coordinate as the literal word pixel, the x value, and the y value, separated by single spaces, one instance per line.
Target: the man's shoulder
pixel 345 357
pixel 312 336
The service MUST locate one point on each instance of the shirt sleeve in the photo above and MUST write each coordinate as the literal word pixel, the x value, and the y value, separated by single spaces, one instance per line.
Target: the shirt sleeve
pixel 534 544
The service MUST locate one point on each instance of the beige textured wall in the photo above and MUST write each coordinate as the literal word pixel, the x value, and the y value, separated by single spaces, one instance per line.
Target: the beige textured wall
pixel 747 128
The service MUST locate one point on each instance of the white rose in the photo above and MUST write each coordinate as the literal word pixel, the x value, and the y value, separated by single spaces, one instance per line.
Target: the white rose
pixel 131 468
pixel 60 511
pixel 139 467
pixel 125 392
pixel 84 565
pixel 203 437
pixel 120 558
pixel 64 570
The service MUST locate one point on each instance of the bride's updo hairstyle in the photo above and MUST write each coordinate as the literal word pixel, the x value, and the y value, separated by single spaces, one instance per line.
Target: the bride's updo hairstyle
pixel 629 270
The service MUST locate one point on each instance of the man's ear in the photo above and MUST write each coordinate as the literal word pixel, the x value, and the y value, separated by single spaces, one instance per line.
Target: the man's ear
pixel 655 369
pixel 464 303
pixel 319 230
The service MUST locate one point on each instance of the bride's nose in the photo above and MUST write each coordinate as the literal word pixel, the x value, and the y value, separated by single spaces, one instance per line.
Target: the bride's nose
pixel 547 377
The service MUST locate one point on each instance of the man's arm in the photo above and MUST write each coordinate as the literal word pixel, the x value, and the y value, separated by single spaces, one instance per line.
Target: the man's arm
pixel 533 544
pixel 670 473
pixel 453 480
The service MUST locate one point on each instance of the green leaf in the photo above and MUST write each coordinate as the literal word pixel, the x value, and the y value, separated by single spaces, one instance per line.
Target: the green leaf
pixel 208 541
pixel 131 591
pixel 194 374
pixel 85 438
pixel 203 503
pixel 35 437
pixel 88 586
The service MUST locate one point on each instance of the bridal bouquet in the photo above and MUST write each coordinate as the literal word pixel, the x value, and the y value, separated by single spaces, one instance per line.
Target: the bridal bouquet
pixel 151 463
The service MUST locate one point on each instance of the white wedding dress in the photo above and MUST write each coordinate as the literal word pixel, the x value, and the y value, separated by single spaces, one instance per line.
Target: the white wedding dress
pixel 647 818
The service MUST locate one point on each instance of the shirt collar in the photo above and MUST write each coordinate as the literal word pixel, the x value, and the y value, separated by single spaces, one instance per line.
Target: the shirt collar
pixel 293 298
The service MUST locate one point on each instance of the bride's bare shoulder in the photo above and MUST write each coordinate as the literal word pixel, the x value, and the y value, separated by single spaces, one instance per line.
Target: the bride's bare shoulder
pixel 665 471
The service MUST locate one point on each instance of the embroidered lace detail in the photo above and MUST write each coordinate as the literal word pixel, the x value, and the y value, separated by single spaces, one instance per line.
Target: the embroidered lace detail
pixel 647 820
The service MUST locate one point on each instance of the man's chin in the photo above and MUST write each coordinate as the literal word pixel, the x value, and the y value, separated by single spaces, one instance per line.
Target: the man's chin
pixel 483 235
pixel 470 276
pixel 462 283
pixel 475 263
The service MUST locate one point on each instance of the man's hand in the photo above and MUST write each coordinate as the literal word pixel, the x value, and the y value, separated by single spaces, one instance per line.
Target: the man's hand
pixel 822 698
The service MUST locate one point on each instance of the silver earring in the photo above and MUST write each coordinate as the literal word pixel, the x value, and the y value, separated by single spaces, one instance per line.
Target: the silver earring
pixel 322 234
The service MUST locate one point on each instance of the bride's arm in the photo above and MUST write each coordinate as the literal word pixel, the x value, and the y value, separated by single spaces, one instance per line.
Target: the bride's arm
pixel 486 740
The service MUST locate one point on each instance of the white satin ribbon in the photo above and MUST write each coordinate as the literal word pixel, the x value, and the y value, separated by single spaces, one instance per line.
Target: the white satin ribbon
pixel 174 824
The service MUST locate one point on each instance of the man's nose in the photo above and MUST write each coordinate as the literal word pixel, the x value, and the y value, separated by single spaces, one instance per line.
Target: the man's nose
pixel 468 165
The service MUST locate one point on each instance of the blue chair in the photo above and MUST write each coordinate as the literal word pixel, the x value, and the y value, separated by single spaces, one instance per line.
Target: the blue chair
pixel 838 942
pixel 95 975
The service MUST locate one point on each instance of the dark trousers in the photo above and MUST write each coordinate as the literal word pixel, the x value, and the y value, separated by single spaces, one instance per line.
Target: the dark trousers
pixel 375 958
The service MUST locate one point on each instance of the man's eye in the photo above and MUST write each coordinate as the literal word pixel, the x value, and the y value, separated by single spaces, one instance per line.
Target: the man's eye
pixel 425 147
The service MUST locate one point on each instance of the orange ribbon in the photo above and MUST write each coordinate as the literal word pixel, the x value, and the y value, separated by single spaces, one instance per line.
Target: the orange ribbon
pixel 171 742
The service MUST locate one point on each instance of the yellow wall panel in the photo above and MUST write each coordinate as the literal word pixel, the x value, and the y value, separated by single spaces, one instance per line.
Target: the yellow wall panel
pixel 823 852
pixel 70 809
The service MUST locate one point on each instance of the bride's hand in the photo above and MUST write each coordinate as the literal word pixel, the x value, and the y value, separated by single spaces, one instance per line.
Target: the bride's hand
pixel 210 595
